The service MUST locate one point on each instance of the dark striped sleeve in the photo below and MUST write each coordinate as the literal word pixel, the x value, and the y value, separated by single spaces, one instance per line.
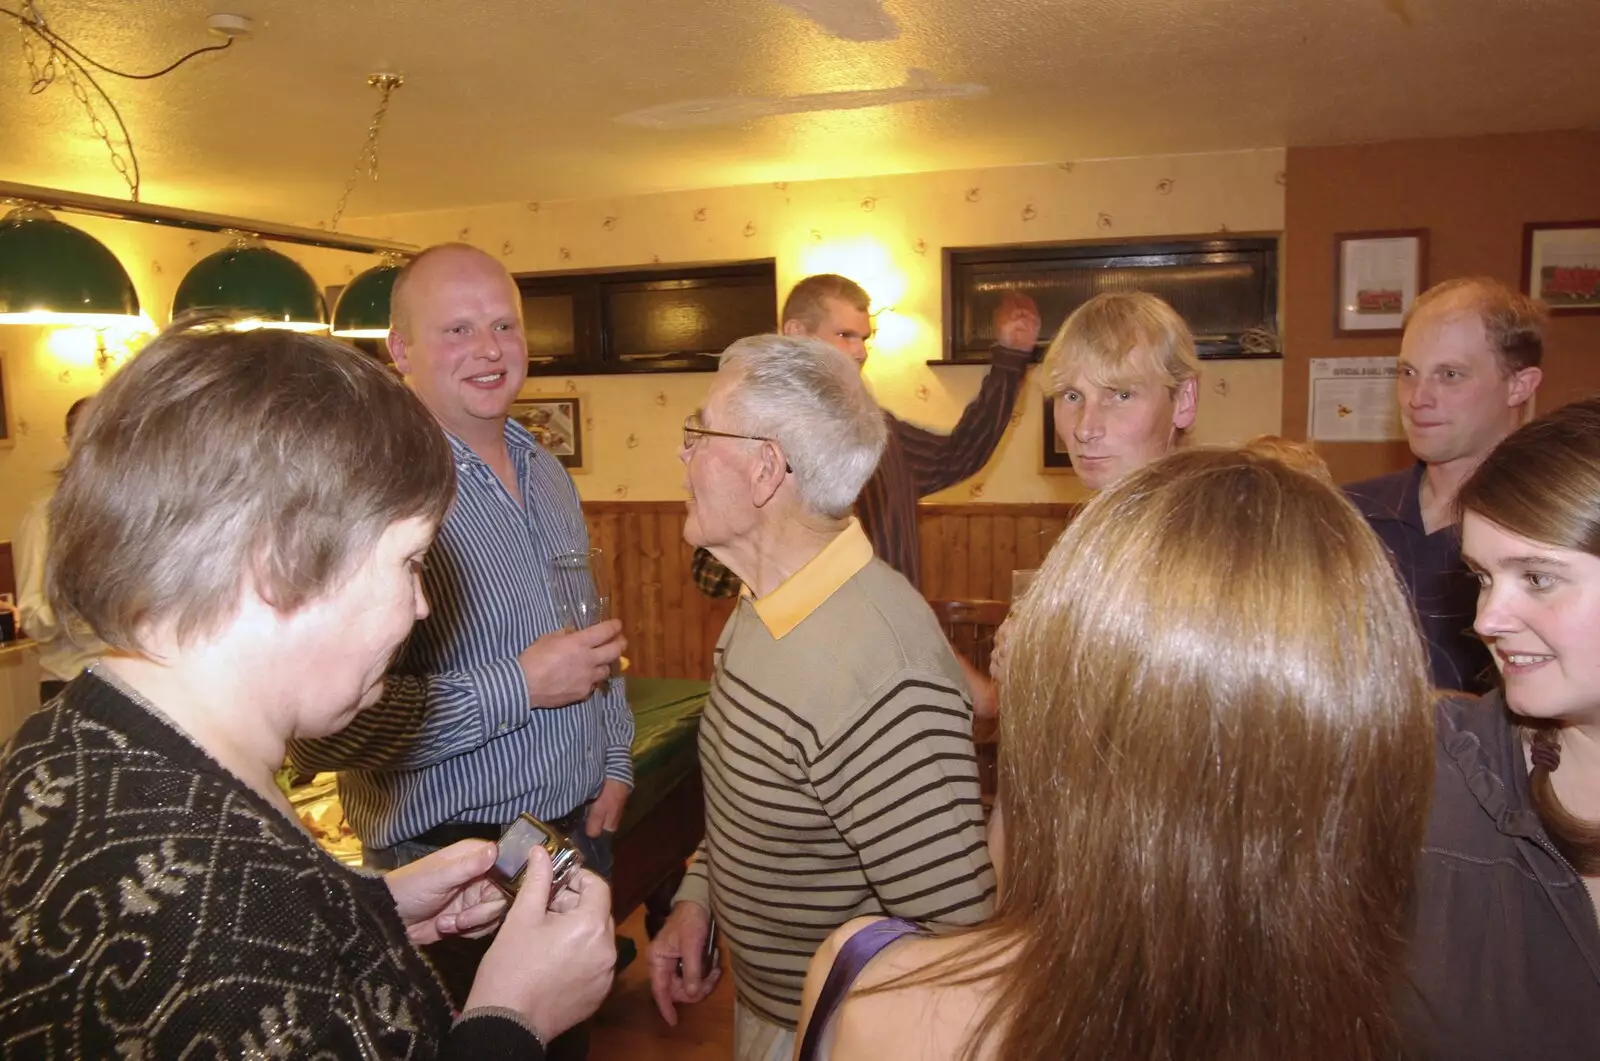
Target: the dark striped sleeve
pixel 938 461
pixel 901 785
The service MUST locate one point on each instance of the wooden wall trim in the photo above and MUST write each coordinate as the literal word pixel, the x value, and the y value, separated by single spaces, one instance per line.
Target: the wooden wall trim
pixel 1010 510
pixel 654 507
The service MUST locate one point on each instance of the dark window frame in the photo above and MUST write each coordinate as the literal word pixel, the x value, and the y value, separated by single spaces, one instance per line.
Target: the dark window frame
pixel 594 346
pixel 1108 254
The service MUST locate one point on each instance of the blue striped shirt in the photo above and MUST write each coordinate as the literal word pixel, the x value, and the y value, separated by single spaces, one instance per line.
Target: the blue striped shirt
pixel 453 738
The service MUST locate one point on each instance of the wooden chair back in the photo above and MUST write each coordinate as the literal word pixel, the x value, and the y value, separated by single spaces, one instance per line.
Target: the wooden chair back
pixel 971 625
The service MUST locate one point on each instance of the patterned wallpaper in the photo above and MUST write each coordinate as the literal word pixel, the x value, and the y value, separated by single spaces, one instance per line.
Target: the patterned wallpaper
pixel 887 233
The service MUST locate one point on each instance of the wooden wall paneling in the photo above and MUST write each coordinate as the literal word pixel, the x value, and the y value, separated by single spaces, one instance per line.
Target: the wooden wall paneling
pixel 968 553
pixel 930 539
pixel 652 622
pixel 1029 553
pixel 675 582
pixel 631 610
pixel 953 543
pixel 980 553
pixel 1003 558
pixel 1050 528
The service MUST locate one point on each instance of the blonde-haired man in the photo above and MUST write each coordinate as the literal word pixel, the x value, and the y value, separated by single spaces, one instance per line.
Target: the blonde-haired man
pixel 1469 366
pixel 1125 380
pixel 1126 384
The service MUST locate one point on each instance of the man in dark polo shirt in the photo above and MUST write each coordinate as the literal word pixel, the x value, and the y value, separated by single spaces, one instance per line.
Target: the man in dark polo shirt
pixel 1469 366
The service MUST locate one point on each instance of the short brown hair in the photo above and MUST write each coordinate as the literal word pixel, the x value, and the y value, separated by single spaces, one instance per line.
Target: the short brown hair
pixel 217 456
pixel 806 302
pixel 1100 337
pixel 1512 322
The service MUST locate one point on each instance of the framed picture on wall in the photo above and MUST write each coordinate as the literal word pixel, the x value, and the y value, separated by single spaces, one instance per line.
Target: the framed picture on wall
pixel 1377 275
pixel 1056 457
pixel 556 421
pixel 1561 264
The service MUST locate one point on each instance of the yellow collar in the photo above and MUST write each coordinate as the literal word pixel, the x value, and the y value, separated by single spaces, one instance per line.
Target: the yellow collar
pixel 804 591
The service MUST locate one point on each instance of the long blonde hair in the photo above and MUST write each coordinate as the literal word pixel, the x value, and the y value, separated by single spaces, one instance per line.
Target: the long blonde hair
pixel 1217 757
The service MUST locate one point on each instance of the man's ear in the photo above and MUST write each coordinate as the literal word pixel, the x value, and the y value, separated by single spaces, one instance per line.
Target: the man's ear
pixel 767 474
pixel 1523 383
pixel 1186 403
pixel 794 329
pixel 397 351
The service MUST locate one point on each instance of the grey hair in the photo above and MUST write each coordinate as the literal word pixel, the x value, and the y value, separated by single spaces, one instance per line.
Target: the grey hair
pixel 809 399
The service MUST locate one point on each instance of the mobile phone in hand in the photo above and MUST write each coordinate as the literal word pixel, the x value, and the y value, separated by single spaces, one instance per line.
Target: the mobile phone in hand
pixel 710 956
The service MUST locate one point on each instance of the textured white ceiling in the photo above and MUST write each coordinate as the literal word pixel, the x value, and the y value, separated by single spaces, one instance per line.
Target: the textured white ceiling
pixel 519 99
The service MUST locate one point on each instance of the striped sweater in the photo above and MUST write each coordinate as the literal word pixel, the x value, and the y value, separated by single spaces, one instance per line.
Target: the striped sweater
pixel 837 756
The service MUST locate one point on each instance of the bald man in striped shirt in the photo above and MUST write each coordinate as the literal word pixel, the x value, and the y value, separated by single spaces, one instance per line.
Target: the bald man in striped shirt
pixel 836 747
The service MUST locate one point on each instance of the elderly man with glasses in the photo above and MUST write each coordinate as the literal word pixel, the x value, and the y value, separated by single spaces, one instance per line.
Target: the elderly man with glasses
pixel 837 744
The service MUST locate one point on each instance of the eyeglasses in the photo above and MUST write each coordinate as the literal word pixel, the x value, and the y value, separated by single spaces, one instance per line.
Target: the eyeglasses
pixel 693 432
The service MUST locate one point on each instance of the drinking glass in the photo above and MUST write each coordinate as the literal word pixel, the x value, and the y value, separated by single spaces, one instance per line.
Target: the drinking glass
pixel 579 588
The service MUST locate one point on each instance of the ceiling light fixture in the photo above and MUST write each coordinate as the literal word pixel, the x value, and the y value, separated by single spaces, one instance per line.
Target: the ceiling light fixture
pixel 52 273
pixel 362 311
pixel 255 283
pixel 177 217
pixel 385 83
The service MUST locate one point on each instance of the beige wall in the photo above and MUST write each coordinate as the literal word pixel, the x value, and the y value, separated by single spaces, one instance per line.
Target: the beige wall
pixel 47 369
pixel 887 233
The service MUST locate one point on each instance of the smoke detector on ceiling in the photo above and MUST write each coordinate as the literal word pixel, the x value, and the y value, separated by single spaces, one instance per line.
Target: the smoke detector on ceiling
pixel 231 26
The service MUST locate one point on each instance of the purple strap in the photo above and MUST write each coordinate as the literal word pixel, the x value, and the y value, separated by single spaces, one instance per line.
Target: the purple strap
pixel 848 964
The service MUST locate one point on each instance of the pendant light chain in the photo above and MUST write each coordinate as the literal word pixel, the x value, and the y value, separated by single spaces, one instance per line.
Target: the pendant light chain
pixel 367 160
pixel 42 76
pixel 65 58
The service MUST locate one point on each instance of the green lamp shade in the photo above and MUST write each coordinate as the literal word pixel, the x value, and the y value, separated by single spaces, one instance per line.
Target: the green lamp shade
pixel 256 283
pixel 52 273
pixel 362 311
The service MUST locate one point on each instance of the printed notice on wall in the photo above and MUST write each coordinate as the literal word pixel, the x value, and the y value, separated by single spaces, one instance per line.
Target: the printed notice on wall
pixel 1352 400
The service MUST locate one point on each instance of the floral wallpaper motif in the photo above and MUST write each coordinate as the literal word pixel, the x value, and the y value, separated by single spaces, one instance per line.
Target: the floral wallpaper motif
pixel 887 233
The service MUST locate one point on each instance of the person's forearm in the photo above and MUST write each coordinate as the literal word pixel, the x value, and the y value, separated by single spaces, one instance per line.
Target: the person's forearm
pixel 940 461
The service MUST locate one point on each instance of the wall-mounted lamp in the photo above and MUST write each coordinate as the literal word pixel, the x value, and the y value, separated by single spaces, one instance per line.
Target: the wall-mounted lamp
pixel 362 310
pixel 254 282
pixel 52 273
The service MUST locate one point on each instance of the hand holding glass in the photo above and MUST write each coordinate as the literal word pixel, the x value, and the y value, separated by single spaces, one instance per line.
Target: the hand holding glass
pixel 579 588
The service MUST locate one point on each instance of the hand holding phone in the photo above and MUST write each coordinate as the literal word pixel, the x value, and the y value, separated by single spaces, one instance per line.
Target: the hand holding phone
pixel 710 956
pixel 519 840
pixel 684 963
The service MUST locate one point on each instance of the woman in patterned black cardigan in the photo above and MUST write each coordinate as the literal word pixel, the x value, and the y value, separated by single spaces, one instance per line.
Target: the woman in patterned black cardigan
pixel 242 520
